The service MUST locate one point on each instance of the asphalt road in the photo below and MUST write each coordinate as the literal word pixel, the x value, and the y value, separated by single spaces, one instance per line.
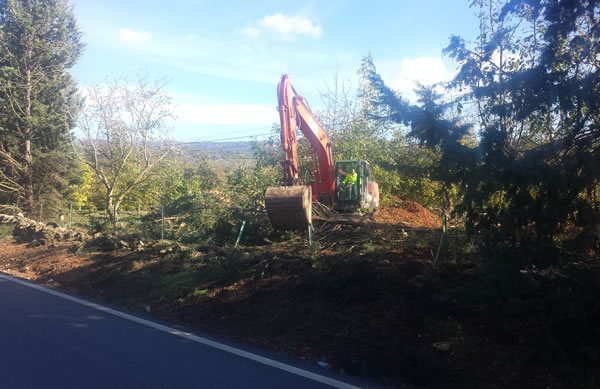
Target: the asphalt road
pixel 52 340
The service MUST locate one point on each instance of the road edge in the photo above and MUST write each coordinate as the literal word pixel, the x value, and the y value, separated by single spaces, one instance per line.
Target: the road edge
pixel 186 335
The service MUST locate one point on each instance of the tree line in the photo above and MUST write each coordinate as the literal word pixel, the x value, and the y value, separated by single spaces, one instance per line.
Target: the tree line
pixel 509 147
pixel 532 79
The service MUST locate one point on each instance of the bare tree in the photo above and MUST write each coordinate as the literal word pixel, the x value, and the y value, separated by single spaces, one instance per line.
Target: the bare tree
pixel 123 135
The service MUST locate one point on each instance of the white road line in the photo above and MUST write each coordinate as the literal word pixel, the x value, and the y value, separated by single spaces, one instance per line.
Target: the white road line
pixel 194 338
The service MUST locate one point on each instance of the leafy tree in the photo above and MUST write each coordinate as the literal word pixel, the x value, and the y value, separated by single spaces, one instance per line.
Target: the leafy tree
pixel 400 165
pixel 123 139
pixel 194 200
pixel 173 179
pixel 82 192
pixel 247 193
pixel 39 42
pixel 533 79
pixel 346 118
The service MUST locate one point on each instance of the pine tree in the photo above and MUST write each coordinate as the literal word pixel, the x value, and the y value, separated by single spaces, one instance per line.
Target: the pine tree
pixel 533 80
pixel 39 42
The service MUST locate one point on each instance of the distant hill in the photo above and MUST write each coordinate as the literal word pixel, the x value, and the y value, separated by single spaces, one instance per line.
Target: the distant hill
pixel 226 154
pixel 218 148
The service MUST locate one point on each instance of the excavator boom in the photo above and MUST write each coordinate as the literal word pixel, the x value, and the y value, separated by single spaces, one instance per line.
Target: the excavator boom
pixel 294 115
pixel 290 206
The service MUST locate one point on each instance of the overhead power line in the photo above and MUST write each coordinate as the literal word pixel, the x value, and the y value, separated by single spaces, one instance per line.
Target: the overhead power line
pixel 232 138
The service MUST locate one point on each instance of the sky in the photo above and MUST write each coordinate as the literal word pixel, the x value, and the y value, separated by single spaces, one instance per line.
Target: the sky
pixel 222 60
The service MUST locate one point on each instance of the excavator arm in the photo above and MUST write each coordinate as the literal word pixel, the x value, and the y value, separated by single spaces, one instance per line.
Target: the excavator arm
pixel 294 115
pixel 290 206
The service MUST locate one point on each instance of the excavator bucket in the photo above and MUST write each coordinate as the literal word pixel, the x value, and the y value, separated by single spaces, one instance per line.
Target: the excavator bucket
pixel 289 207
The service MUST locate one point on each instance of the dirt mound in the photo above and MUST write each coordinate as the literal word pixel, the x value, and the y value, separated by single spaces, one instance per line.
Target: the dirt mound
pixel 407 213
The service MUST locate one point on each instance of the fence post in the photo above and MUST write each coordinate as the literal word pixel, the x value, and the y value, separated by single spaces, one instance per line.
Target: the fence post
pixel 41 211
pixel 162 221
pixel 237 242
pixel 442 239
pixel 71 215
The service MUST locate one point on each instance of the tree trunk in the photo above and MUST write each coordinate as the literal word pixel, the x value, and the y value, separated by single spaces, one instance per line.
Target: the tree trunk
pixel 109 208
pixel 112 208
pixel 26 178
pixel 27 133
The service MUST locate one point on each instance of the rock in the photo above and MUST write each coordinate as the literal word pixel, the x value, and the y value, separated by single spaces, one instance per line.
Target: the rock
pixel 6 219
pixel 442 346
pixel 138 246
pixel 80 237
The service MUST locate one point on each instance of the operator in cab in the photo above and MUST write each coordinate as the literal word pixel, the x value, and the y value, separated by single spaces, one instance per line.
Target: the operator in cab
pixel 350 178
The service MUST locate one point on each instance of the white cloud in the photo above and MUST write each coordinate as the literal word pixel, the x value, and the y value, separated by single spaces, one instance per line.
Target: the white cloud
pixel 225 114
pixel 404 75
pixel 130 36
pixel 284 27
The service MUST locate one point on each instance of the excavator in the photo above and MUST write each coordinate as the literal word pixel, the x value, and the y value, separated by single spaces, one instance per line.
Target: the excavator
pixel 345 186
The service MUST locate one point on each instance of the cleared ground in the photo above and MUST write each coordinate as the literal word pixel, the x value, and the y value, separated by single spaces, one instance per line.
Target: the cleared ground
pixel 366 301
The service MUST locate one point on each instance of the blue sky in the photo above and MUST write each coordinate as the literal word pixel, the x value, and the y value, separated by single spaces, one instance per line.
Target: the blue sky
pixel 223 59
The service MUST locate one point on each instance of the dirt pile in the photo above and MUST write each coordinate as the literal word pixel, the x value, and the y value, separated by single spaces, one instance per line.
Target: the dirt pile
pixel 407 213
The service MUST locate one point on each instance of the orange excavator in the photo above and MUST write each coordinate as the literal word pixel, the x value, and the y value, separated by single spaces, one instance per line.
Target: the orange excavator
pixel 344 185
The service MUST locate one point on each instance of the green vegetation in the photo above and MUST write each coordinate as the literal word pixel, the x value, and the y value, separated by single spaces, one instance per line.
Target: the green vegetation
pixel 5 231
pixel 532 80
pixel 514 157
pixel 39 42
pixel 510 148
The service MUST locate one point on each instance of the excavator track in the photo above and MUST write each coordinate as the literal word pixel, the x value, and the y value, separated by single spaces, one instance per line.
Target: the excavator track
pixel 289 207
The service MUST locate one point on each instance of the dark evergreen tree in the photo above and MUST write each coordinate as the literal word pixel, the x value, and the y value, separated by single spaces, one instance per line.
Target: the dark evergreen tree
pixel 39 42
pixel 532 80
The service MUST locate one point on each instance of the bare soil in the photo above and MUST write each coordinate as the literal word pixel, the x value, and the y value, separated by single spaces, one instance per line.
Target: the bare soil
pixel 373 307
pixel 407 213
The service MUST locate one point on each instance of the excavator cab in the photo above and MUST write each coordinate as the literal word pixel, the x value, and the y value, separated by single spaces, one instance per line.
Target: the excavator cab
pixel 353 186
